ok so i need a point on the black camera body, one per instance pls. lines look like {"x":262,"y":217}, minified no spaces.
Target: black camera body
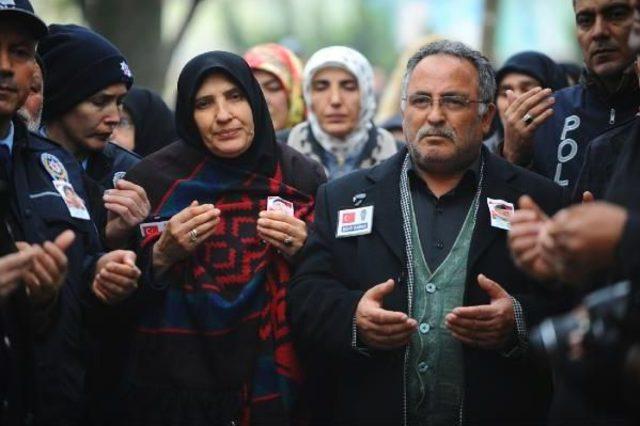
{"x":595,"y":349}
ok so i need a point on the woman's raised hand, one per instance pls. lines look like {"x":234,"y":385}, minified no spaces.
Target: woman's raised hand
{"x":184,"y":232}
{"x":286,"y":233}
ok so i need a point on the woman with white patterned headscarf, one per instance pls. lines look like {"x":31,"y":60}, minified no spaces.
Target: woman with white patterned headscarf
{"x":339,"y":131}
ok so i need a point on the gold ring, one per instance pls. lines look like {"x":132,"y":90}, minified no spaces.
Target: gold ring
{"x":193,"y":235}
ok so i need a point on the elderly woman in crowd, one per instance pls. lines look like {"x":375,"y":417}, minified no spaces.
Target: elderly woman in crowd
{"x":212,"y":343}
{"x":339,"y":132}
{"x":146,"y":123}
{"x":279,"y":72}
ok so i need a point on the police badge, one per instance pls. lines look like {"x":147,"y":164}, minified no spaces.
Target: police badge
{"x":7,"y":4}
{"x":54,"y":167}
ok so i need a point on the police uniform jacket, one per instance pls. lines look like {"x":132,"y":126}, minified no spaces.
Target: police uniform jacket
{"x":113,"y":159}
{"x":39,"y":213}
{"x":580,"y":114}
{"x":16,"y":381}
{"x":103,"y":167}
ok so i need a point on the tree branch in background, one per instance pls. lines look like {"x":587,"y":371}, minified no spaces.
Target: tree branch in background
{"x":136,"y":28}
{"x":171,"y":46}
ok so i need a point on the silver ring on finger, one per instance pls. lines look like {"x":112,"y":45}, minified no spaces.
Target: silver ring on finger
{"x":288,"y":241}
{"x":527,"y":119}
{"x":193,"y":236}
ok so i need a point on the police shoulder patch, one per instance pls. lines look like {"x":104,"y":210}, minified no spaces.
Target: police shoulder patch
{"x":54,"y":167}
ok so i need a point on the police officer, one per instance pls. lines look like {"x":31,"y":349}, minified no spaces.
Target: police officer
{"x":85,"y":80}
{"x":551,"y":132}
{"x":39,"y":175}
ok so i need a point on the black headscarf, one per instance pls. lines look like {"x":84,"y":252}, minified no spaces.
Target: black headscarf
{"x":153,"y":120}
{"x":261,"y":156}
{"x":536,"y":65}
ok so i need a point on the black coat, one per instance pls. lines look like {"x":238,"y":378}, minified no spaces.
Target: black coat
{"x":622,"y":189}
{"x":601,"y":157}
{"x":37,"y":213}
{"x":350,"y":388}
{"x":16,"y":379}
{"x":610,"y":173}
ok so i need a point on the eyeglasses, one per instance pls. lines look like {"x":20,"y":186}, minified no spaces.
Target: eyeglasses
{"x":450,"y":103}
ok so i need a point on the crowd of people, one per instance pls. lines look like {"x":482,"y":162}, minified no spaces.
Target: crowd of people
{"x":277,"y":250}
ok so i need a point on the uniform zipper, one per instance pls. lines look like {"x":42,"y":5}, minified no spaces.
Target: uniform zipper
{"x":612,"y":116}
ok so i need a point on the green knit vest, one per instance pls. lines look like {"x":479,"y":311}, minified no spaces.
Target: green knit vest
{"x":435,"y":370}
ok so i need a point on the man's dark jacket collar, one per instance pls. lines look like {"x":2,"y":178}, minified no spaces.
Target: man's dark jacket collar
{"x":627,"y":87}
{"x":385,"y":194}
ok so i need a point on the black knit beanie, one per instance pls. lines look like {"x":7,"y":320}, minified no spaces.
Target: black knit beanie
{"x":78,"y":63}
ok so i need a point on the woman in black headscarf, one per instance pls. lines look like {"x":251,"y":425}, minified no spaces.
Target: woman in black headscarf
{"x":146,"y":123}
{"x":212,"y":344}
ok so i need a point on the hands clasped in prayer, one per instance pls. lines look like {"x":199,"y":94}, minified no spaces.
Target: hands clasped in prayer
{"x":43,"y":266}
{"x":575,"y":242}
{"x":116,"y":276}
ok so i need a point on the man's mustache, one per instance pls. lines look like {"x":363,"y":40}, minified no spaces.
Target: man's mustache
{"x":444,"y":132}
{"x":605,"y":45}
{"x":8,"y":83}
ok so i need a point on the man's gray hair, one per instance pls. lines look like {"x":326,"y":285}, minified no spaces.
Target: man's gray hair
{"x":486,"y":74}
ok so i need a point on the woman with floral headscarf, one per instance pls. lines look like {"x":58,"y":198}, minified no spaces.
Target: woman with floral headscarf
{"x":339,"y":131}
{"x":279,"y":72}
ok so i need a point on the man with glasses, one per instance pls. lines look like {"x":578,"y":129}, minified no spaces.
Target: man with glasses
{"x":406,"y":299}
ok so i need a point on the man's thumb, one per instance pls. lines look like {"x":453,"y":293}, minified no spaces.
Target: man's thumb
{"x":65,"y":239}
{"x":526,"y":203}
{"x":587,"y":197}
{"x":125,"y":257}
{"x":379,"y":291}
{"x":129,"y":258}
{"x":492,"y":288}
